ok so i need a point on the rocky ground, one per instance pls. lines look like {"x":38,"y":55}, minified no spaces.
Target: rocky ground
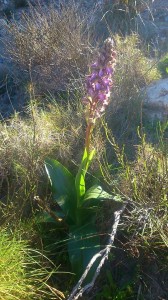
{"x":155,"y":17}
{"x":157,"y":92}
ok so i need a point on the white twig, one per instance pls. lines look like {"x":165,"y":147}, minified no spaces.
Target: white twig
{"x":78,"y":290}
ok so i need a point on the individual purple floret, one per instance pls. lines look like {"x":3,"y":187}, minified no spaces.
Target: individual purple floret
{"x":99,"y":82}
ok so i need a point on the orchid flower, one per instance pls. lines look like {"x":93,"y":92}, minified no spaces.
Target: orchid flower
{"x":98,"y":86}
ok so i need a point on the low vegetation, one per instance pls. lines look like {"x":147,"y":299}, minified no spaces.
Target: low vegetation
{"x":163,"y":66}
{"x":24,"y":272}
{"x":51,"y":50}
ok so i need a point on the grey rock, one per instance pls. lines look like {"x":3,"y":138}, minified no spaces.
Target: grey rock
{"x":156,"y":103}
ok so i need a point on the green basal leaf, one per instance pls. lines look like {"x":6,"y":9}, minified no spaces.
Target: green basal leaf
{"x":96,"y":195}
{"x":83,"y":244}
{"x":96,"y":192}
{"x":85,"y":215}
{"x":63,"y":188}
{"x":80,"y":177}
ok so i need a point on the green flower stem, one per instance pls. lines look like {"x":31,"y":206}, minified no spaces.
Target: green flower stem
{"x":88,"y":137}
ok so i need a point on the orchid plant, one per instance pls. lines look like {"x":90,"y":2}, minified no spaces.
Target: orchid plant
{"x":78,"y":205}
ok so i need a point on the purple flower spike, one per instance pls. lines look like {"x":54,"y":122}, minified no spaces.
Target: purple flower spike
{"x":99,"y":82}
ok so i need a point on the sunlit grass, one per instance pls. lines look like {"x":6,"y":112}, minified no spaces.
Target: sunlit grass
{"x":23,"y":275}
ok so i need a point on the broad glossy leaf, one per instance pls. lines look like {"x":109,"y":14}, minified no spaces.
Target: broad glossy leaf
{"x":63,"y":188}
{"x":96,"y":192}
{"x":95,"y":195}
{"x":80,"y":177}
{"x":83,"y":244}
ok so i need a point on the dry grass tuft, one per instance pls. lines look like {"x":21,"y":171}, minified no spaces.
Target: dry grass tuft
{"x":143,"y":182}
{"x":25,"y":142}
{"x":133,"y":72}
{"x":120,"y":16}
{"x":143,"y":233}
{"x":134,"y":69}
{"x":57,"y":132}
{"x":146,"y":184}
{"x":50,"y":46}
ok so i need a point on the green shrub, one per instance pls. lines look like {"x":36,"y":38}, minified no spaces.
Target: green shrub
{"x":163,"y":66}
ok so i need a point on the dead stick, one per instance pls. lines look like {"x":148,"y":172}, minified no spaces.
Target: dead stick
{"x":78,"y":290}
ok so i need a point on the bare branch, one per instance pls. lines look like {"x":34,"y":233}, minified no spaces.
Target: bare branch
{"x":78,"y":289}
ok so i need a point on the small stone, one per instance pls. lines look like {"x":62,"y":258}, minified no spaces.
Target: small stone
{"x":157,"y":99}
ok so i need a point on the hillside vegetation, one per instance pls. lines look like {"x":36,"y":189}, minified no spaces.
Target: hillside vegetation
{"x":83,"y":168}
